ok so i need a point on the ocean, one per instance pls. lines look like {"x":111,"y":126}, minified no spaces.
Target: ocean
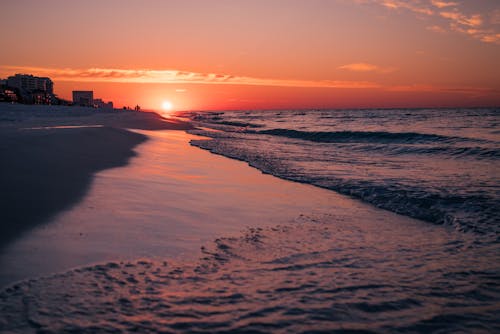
{"x":437,"y":165}
{"x":427,"y":260}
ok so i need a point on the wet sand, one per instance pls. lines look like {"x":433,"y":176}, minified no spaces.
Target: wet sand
{"x":171,"y":199}
{"x":322,"y":274}
{"x":48,"y":156}
{"x":180,"y":240}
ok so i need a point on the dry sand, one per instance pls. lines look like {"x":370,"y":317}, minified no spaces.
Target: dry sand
{"x":45,"y":169}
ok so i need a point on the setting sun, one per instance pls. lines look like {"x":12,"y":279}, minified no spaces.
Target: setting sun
{"x":167,"y":105}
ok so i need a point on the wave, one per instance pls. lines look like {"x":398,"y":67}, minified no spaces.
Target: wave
{"x":432,"y":165}
{"x":428,"y":142}
{"x":239,"y":124}
{"x":476,"y":152}
{"x":361,"y":136}
{"x":466,"y":211}
{"x":459,"y":211}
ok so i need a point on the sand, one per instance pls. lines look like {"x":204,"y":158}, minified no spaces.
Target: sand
{"x":18,"y":116}
{"x":45,"y":169}
{"x":176,"y":239}
{"x":168,"y":201}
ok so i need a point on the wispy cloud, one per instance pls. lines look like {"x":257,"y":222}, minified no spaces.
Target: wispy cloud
{"x":436,"y":28}
{"x":414,"y":6}
{"x":463,"y":20}
{"x":177,"y":77}
{"x":464,"y":90}
{"x":490,"y":38}
{"x":365,"y":67}
{"x":443,"y":4}
{"x":472,"y":26}
{"x":481,"y":26}
{"x":185,"y":77}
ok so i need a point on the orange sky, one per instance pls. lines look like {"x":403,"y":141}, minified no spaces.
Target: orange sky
{"x":233,"y":54}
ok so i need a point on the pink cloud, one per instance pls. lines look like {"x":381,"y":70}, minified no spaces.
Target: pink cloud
{"x":436,"y":28}
{"x":443,"y":4}
{"x":414,"y":6}
{"x":459,"y":18}
{"x":480,"y":26}
{"x":467,"y":90}
{"x":365,"y":67}
{"x":177,"y":77}
{"x":490,"y":38}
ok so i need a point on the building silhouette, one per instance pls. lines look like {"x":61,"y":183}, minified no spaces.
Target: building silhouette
{"x":30,"y":83}
{"x":32,"y":89}
{"x":84,"y":98}
{"x":100,"y":104}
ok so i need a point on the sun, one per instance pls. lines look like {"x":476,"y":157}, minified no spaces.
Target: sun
{"x":167,"y":105}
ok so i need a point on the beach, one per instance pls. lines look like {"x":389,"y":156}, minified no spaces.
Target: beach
{"x":50,"y":153}
{"x":134,"y":229}
{"x":250,"y":167}
{"x":168,"y":202}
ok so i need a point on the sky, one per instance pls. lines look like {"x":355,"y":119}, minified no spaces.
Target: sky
{"x":260,"y":54}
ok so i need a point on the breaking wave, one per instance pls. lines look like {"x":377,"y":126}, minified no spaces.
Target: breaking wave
{"x":358,"y":136}
{"x":436,"y":165}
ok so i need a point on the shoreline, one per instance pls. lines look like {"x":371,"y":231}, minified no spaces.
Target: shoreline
{"x":44,"y":172}
{"x":274,"y":254}
{"x":168,"y":201}
{"x":180,"y":239}
{"x":49,"y":155}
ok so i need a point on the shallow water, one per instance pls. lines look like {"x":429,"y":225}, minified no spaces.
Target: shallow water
{"x":438,"y":165}
{"x":320,"y":273}
{"x":309,"y":260}
{"x":166,"y":203}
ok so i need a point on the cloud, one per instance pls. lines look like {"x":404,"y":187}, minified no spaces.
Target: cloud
{"x":472,"y":26}
{"x":177,"y":77}
{"x":443,"y":4}
{"x":436,"y":28}
{"x":422,"y":88}
{"x":491,"y":38}
{"x":480,"y":26}
{"x":365,"y":67}
{"x":184,"y":77}
{"x":359,"y":67}
{"x":414,"y":6}
{"x":461,"y":19}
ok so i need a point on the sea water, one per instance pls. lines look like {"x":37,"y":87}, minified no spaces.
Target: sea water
{"x":350,"y":268}
{"x":437,"y":165}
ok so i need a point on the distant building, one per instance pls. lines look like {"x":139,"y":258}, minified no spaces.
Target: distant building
{"x":100,"y":104}
{"x":27,"y":84}
{"x":83,"y":98}
{"x":29,"y":89}
{"x":8,"y":95}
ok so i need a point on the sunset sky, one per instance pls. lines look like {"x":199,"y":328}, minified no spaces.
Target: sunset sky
{"x":235,"y":54}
